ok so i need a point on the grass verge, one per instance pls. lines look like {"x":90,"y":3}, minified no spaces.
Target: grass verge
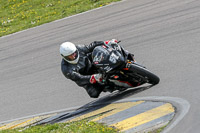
{"x":73,"y":127}
{"x":159,"y":130}
{"x":17,"y":15}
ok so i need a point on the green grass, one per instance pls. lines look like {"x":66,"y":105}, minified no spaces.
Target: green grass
{"x":159,"y":130}
{"x":17,"y":15}
{"x":74,"y":127}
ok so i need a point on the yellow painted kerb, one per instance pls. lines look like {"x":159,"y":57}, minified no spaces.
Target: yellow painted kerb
{"x":144,"y":117}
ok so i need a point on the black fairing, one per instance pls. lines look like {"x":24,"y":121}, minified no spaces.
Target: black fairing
{"x":108,"y":57}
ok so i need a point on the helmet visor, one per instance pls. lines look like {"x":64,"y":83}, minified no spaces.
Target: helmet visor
{"x":72,"y":56}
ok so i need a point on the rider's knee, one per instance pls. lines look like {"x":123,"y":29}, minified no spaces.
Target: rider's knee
{"x":93,"y":92}
{"x":94,"y":95}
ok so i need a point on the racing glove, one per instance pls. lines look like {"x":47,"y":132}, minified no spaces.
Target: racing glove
{"x":113,"y":41}
{"x":96,"y":78}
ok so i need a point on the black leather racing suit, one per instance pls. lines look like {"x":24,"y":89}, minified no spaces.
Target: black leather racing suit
{"x":82,"y":71}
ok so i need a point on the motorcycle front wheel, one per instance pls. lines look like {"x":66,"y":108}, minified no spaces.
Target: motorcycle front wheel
{"x":145,"y":74}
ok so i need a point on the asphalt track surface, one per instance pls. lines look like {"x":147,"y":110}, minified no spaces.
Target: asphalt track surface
{"x":163,"y":35}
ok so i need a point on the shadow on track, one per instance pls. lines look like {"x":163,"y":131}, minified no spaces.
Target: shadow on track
{"x":94,"y":105}
{"x":115,"y":96}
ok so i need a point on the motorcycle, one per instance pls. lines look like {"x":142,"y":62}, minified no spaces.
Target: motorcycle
{"x":119,"y":69}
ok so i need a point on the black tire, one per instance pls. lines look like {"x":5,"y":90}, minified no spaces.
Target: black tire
{"x":149,"y":76}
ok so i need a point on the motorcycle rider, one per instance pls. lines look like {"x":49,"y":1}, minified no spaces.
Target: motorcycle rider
{"x":77,"y":65}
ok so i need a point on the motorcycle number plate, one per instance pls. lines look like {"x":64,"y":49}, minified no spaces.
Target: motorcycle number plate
{"x":113,"y":58}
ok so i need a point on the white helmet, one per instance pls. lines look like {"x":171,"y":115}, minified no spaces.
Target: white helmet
{"x":69,"y":52}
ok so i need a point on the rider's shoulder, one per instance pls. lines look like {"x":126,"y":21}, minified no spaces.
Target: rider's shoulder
{"x":79,"y":46}
{"x":82,"y":48}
